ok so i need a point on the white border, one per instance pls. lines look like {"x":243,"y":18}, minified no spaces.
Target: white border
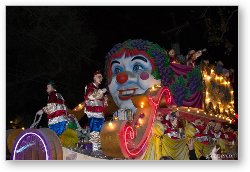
{"x":242,"y":165}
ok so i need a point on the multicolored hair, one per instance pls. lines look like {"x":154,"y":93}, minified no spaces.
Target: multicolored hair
{"x":158,"y":57}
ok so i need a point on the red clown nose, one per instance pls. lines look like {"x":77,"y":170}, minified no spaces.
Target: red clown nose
{"x":121,"y":77}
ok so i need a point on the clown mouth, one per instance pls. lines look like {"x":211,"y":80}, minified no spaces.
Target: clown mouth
{"x":126,"y":94}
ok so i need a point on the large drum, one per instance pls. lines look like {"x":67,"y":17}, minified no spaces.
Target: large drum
{"x":37,"y":144}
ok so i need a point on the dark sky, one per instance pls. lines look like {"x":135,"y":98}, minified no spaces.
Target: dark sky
{"x":67,"y":44}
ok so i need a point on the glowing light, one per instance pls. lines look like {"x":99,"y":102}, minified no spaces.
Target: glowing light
{"x":31,"y":133}
{"x":74,"y":109}
{"x":131,"y":135}
{"x":232,"y":102}
{"x":80,"y":105}
{"x":129,"y":131}
{"x":198,"y":111}
{"x":231,"y":92}
{"x":219,"y":116}
{"x":221,"y":109}
{"x":11,"y":122}
{"x":142,"y":104}
{"x":221,"y":78}
{"x":211,"y":114}
{"x":208,"y":78}
{"x":205,"y":113}
{"x":207,"y":99}
{"x":212,"y":71}
{"x":188,"y":110}
{"x":205,"y":76}
{"x":216,"y":78}
{"x":153,"y":88}
{"x":177,"y":108}
{"x":219,"y":103}
{"x":140,"y":121}
{"x":111,"y":125}
{"x":206,"y":92}
{"x":23,"y":128}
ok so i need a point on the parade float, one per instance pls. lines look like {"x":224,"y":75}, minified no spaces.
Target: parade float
{"x":155,"y":105}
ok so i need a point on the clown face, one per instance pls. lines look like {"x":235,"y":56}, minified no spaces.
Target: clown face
{"x":131,"y":75}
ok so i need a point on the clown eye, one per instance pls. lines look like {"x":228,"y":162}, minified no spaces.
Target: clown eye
{"x":137,"y":67}
{"x":117,"y":70}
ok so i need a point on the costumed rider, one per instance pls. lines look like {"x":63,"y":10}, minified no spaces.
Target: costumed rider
{"x":95,"y":100}
{"x":173,"y":127}
{"x":200,"y":133}
{"x":56,"y":110}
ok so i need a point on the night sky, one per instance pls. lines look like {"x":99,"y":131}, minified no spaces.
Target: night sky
{"x":67,"y":44}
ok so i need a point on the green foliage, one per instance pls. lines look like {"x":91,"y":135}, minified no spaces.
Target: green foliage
{"x":166,"y":61}
{"x":156,"y":74}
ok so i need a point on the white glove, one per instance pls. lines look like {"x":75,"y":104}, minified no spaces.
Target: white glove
{"x":40,"y":112}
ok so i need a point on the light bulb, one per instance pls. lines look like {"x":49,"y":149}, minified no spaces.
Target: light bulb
{"x":142,"y":104}
{"x":111,"y":124}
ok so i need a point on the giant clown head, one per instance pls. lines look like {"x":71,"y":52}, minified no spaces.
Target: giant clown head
{"x":132,"y":67}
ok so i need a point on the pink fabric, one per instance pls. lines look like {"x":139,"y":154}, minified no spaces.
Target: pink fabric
{"x":180,"y":69}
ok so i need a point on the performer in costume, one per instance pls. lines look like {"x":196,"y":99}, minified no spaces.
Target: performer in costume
{"x":200,"y":133}
{"x":230,"y":136}
{"x":94,"y":100}
{"x":172,"y":55}
{"x":216,"y":132}
{"x":173,"y":126}
{"x":56,"y":110}
{"x":192,"y":56}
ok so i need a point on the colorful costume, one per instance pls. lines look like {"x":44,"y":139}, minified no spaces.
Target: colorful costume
{"x":174,"y":132}
{"x":215,"y":134}
{"x":94,"y":107}
{"x":57,"y":112}
{"x":230,"y":137}
{"x":199,"y":134}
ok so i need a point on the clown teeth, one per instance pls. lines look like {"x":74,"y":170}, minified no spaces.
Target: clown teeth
{"x":126,"y":94}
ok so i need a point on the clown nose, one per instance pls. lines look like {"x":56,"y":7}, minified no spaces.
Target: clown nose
{"x":121,"y":77}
